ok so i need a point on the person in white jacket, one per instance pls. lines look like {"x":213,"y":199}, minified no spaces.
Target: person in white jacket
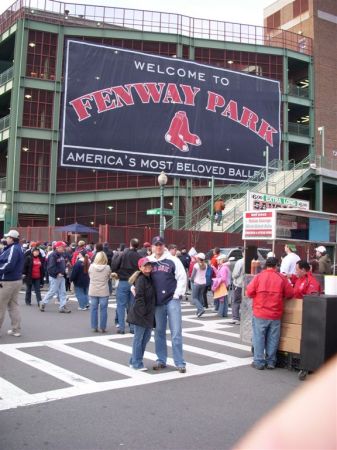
{"x":99,"y":274}
{"x":169,"y":280}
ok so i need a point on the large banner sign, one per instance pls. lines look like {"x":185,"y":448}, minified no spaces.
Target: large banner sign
{"x":132,"y":112}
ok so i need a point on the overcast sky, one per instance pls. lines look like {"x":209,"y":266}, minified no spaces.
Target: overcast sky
{"x":240,"y":11}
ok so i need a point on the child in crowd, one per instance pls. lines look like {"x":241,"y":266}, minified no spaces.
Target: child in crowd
{"x":141,"y":313}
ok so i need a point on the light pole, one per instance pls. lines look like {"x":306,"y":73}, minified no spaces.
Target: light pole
{"x":321,"y":131}
{"x":162,"y":180}
{"x":266,"y":154}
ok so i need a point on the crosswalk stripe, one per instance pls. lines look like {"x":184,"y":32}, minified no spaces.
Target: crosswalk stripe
{"x":9,"y":390}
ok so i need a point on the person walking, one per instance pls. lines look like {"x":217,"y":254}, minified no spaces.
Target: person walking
{"x":268,"y":290}
{"x":169,"y":280}
{"x":80,"y":277}
{"x":141,"y":314}
{"x":33,"y":271}
{"x":125,"y":265}
{"x":56,"y":269}
{"x":99,"y":274}
{"x":220,"y":286}
{"x":11,"y":265}
{"x":237,"y":277}
{"x":198,"y":278}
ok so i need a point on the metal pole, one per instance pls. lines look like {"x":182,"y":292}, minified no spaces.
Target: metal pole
{"x":161,"y":220}
{"x":323,"y":143}
{"x":267,"y":168}
{"x":212,"y":203}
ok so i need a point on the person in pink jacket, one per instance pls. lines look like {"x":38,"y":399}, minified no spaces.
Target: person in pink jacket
{"x":220,"y":285}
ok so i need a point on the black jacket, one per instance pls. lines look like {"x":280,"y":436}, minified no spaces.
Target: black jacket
{"x":185,"y":259}
{"x":142,"y":311}
{"x":125,"y":264}
{"x":28,"y":267}
{"x":56,"y":264}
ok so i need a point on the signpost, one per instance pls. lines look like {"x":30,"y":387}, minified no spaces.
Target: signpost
{"x":156,"y":212}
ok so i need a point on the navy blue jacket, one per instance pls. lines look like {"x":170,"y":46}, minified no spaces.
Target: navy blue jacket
{"x":56,"y":264}
{"x":11,"y":263}
{"x":78,"y":277}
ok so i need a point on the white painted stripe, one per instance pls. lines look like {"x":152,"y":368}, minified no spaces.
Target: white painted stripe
{"x":51,"y":369}
{"x":9,"y":390}
{"x":216,"y":341}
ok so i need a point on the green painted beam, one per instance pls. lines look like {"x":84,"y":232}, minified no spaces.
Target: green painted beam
{"x":298,"y":139}
{"x":297,"y":100}
{"x":38,"y":133}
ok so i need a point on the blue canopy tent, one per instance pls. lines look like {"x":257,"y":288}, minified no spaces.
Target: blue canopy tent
{"x":77,"y":228}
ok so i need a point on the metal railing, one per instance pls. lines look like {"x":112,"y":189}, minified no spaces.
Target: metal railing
{"x":299,"y":129}
{"x":297,"y":91}
{"x":152,"y":21}
{"x":6,"y":75}
{"x":4,"y":122}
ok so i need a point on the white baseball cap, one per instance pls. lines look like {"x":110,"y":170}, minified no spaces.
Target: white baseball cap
{"x":321,"y":249}
{"x":270,"y":255}
{"x":201,"y":256}
{"x":13,"y":234}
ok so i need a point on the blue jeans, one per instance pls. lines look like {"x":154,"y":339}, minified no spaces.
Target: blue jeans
{"x":82,"y":296}
{"x":266,"y":337}
{"x":198,"y":296}
{"x":102,"y":302}
{"x":216,"y":304}
{"x":36,"y":285}
{"x":223,"y":306}
{"x":124,"y":300}
{"x":140,"y":339}
{"x":57,"y":287}
{"x":172,"y":312}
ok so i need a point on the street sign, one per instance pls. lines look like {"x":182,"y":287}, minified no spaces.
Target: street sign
{"x":257,"y":201}
{"x":156,"y":211}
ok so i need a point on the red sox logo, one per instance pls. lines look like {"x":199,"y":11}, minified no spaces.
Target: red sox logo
{"x":179,"y":133}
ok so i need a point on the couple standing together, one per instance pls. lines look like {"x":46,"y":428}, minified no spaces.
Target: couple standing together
{"x":164,"y":276}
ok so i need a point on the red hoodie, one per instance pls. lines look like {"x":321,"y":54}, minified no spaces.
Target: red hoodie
{"x":306,"y":285}
{"x":268,"y":289}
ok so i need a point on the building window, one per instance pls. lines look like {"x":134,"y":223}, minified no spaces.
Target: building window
{"x":34,"y":166}
{"x":41,"y":55}
{"x":274,"y":21}
{"x":300,"y":7}
{"x":38,"y":108}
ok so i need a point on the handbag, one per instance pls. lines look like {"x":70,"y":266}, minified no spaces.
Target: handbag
{"x":221,"y":291}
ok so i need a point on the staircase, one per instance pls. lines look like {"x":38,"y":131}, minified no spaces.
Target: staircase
{"x":278,"y":182}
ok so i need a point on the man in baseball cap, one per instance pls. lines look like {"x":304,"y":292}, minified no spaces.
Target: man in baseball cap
{"x":11,"y":265}
{"x":158,"y":240}
{"x":324,"y":260}
{"x":56,"y":270}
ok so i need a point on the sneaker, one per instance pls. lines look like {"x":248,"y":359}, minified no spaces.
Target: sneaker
{"x":42,"y":307}
{"x":200,"y":313}
{"x":159,"y":366}
{"x":255,"y":366}
{"x":140,"y":369}
{"x":270,"y":367}
{"x":94,"y":330}
{"x":87,"y":307}
{"x":181,"y":369}
{"x":14,"y":333}
{"x":117,"y":325}
{"x":64,"y":310}
{"x":103,"y":330}
{"x":119,"y":331}
{"x":81,"y":309}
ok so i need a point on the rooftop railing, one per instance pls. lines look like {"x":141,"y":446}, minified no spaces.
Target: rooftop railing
{"x":53,"y":11}
{"x":4,"y":122}
{"x":6,"y":75}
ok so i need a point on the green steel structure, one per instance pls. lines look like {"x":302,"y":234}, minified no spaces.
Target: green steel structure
{"x":35,"y":191}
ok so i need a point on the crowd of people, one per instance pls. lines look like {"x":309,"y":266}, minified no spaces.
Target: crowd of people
{"x":150,"y":284}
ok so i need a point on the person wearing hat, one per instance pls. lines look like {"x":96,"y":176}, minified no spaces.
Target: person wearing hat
{"x":141,"y":313}
{"x":80,"y":277}
{"x":56,"y":269}
{"x":324,"y":261}
{"x":198,"y":279}
{"x":268,"y":289}
{"x":145,"y":250}
{"x":11,"y":265}
{"x":169,"y":280}
{"x":288,"y":265}
{"x":33,"y":271}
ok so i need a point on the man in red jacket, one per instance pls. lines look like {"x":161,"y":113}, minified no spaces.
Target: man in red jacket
{"x":268,"y":289}
{"x":304,"y":281}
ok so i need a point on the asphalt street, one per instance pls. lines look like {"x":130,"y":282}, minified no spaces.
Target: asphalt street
{"x":63,"y":387}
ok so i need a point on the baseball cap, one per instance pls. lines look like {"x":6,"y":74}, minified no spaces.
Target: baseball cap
{"x":292,"y":247}
{"x":201,"y":256}
{"x":143,"y":261}
{"x":221,"y":257}
{"x":270,"y":255}
{"x":13,"y":234}
{"x":158,"y":240}
{"x":81,"y":243}
{"x":59,"y":244}
{"x":146,"y":244}
{"x":321,"y":249}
